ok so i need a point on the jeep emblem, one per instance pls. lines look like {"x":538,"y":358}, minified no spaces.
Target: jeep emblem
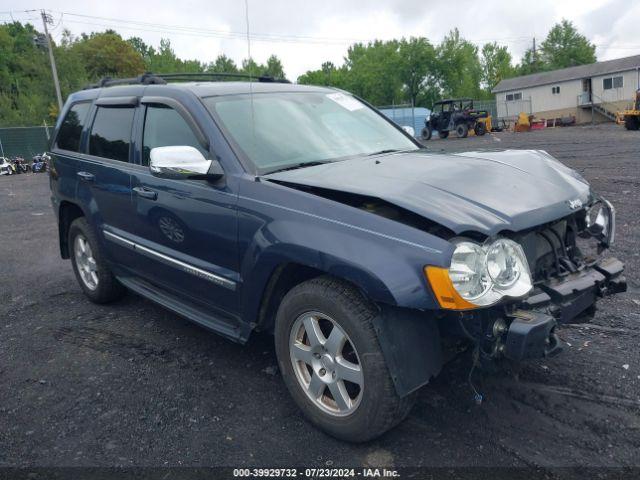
{"x":574,"y":204}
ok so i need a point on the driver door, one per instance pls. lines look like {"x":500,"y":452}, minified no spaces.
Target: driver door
{"x":187,"y":228}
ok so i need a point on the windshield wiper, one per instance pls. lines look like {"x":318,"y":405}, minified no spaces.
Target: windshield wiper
{"x":382,"y":152}
{"x":299,"y":165}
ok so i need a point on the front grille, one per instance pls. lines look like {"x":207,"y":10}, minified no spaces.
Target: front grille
{"x":557,"y":249}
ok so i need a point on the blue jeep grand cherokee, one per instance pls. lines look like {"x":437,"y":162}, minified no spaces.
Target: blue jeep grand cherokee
{"x":303,"y":211}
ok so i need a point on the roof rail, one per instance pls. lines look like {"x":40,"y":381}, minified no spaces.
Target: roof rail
{"x":149,"y":78}
{"x":216,"y":75}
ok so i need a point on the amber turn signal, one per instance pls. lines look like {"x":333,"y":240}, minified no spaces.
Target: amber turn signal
{"x":447,"y":296}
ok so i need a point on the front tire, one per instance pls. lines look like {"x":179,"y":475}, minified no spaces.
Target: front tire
{"x":332,"y":363}
{"x":89,"y":264}
{"x":426,"y":133}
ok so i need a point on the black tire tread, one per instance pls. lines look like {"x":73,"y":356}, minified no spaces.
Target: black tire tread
{"x":394,"y":408}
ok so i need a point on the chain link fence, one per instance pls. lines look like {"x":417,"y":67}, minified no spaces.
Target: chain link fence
{"x":24,"y":141}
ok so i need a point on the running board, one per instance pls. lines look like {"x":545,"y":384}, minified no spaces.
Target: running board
{"x":217,"y":324}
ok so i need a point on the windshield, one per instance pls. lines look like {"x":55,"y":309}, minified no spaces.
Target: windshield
{"x":280,"y":130}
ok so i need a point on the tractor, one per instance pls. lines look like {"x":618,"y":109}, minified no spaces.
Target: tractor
{"x":631,"y":117}
{"x":458,"y":115}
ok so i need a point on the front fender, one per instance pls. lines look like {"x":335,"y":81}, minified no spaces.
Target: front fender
{"x":386,"y":269}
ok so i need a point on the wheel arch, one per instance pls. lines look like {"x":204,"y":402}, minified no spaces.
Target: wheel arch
{"x":67,"y":213}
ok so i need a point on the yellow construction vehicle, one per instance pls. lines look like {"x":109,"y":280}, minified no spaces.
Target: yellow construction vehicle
{"x":631,"y":118}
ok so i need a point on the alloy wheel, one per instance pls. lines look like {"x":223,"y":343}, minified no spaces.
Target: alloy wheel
{"x":85,"y":262}
{"x":326,"y":364}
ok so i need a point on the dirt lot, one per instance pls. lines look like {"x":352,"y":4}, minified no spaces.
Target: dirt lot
{"x":132,"y":384}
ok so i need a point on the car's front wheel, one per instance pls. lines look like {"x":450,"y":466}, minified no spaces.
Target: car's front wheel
{"x":331,"y":361}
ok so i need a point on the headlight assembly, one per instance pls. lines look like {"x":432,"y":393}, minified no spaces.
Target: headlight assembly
{"x":600,"y":221}
{"x":481,"y":275}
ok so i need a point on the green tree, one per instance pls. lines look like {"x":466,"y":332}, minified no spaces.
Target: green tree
{"x":459,"y":68}
{"x":496,"y":65}
{"x":26,"y":85}
{"x":416,"y":66}
{"x":328,"y":75}
{"x":250,"y":67}
{"x":373,"y":72}
{"x":274,"y":67}
{"x":566,"y":47}
{"x":222,"y":64}
{"x":531,"y":63}
{"x":107,"y":54}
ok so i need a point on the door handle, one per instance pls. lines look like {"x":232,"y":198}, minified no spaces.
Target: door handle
{"x":86,"y":176}
{"x":145,"y":193}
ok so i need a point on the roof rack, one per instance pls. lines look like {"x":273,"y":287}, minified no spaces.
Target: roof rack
{"x":149,"y":78}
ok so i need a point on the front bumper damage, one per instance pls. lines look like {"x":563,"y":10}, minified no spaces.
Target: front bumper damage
{"x":526,"y":329}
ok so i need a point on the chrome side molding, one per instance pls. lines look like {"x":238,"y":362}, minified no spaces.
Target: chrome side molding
{"x":174,"y":262}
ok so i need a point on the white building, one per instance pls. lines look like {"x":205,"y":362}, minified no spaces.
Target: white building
{"x":599,"y":90}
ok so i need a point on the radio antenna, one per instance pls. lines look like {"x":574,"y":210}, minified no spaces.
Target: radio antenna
{"x":246,"y":12}
{"x":249,"y":64}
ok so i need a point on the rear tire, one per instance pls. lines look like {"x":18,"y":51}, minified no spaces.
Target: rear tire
{"x":632,"y":123}
{"x":462,"y":130}
{"x":325,"y":305}
{"x":89,"y":264}
{"x":480,"y":129}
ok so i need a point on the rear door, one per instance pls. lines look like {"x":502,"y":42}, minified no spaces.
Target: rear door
{"x":104,"y":173}
{"x":188,"y":228}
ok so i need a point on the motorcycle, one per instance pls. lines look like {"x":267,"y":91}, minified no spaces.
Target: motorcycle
{"x":19,"y":165}
{"x":40,"y":163}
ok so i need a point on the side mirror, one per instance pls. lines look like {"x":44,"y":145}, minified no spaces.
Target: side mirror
{"x":409,"y":130}
{"x":182,"y":162}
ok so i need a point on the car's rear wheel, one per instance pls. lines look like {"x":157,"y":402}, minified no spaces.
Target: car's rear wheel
{"x":331,"y":361}
{"x":89,"y":264}
{"x":462,"y":130}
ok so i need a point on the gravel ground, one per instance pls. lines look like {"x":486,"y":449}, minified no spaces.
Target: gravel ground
{"x":132,"y":384}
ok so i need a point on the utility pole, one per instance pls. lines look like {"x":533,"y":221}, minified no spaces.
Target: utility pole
{"x":46,"y":18}
{"x":534,"y":55}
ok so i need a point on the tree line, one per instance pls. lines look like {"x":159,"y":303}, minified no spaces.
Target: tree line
{"x":412,"y":70}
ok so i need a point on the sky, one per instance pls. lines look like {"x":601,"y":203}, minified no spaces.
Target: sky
{"x":306,"y":34}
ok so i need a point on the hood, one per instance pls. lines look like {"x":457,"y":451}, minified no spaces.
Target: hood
{"x":484,"y":191}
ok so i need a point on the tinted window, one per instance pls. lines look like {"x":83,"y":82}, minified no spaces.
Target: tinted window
{"x":71,"y":127}
{"x":111,"y":133}
{"x":607,"y":83}
{"x":164,"y":127}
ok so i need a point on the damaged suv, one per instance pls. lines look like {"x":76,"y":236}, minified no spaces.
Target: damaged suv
{"x":304,"y":212}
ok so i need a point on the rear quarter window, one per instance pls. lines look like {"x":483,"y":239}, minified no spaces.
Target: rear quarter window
{"x":72,"y":126}
{"x":111,"y":133}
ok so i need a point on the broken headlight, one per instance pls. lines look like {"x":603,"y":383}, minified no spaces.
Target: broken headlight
{"x":600,"y":221}
{"x":481,"y":275}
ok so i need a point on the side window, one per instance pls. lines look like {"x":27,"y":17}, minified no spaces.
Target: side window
{"x":618,"y":82}
{"x":164,"y":127}
{"x":71,"y":127}
{"x":111,"y":133}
